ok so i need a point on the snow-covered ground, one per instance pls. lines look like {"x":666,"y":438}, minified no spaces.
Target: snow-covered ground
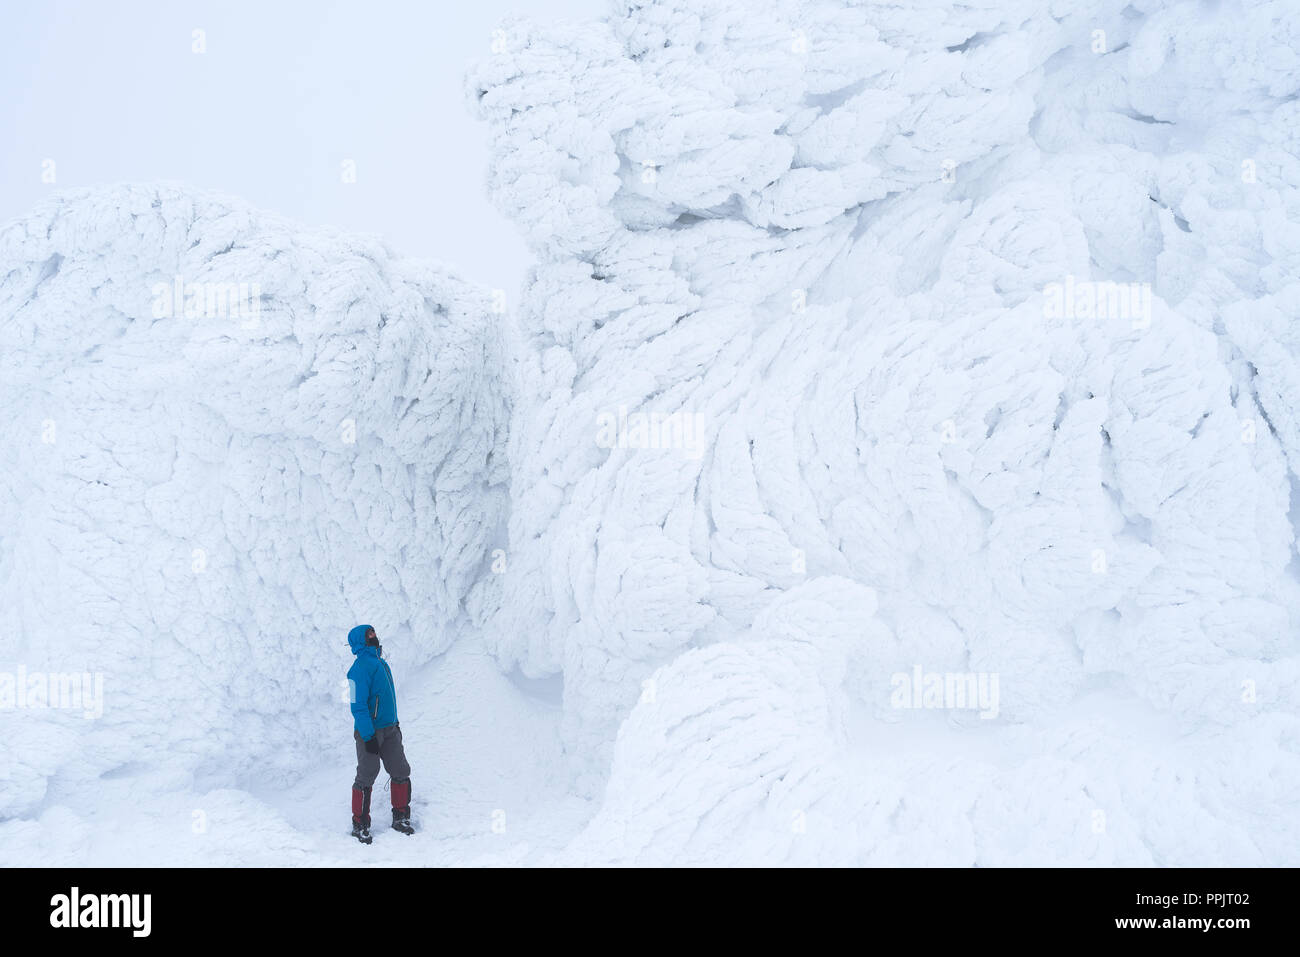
{"x":869,"y":346}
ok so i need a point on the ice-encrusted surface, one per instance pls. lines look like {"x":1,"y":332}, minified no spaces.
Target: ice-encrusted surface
{"x":831,"y":232}
{"x":193,"y":505}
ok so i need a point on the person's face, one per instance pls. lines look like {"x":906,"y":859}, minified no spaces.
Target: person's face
{"x":371,"y":637}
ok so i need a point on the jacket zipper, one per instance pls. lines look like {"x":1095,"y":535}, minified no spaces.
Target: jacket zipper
{"x":374,"y":711}
{"x":391,"y":687}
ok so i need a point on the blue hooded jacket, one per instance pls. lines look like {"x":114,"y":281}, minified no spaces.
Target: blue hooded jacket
{"x":374,"y":696}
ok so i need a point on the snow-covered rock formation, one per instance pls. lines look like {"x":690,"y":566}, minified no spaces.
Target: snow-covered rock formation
{"x":226,"y":437}
{"x":951,"y":337}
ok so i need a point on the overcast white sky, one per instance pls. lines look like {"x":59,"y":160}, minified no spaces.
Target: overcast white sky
{"x":286,"y":91}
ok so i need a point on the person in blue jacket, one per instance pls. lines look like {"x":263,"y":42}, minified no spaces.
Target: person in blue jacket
{"x":377,"y":732}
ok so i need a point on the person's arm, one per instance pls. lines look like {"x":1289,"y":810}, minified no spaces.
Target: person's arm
{"x":359,"y":682}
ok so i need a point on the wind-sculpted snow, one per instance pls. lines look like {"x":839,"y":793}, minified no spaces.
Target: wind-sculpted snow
{"x":227,"y":438}
{"x":987,"y":312}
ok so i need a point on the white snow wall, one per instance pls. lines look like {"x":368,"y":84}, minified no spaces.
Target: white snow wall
{"x":825,"y":230}
{"x":198,"y":507}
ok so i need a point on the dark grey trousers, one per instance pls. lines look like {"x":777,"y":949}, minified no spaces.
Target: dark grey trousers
{"x":390,"y":752}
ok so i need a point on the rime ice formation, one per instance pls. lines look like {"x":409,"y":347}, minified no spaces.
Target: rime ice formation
{"x":839,"y":233}
{"x":193,"y":503}
{"x":867,"y":343}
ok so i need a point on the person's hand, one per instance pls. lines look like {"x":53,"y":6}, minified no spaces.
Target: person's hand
{"x":372,"y":746}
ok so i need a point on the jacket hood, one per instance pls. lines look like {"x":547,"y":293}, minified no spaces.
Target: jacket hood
{"x":357,"y":638}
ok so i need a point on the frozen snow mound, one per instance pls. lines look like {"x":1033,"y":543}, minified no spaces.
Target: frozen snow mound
{"x":228,"y":438}
{"x":989,"y":310}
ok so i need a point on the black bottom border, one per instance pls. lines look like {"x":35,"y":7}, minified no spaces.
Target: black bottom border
{"x":926,"y":906}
